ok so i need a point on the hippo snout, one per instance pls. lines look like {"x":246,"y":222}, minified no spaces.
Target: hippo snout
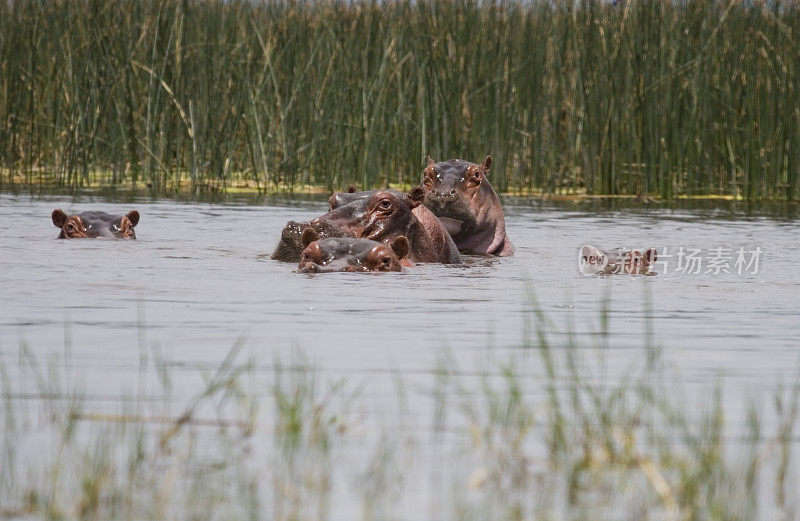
{"x":448,"y":202}
{"x":291,"y":230}
{"x":441,"y":198}
{"x":445,"y":195}
{"x":309,"y":267}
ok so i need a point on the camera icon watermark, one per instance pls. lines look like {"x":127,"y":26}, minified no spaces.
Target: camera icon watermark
{"x":593,"y":260}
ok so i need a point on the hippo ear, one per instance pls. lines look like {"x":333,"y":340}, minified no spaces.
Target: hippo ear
{"x":487,"y":164}
{"x":651,"y":255}
{"x":59,"y":218}
{"x":133,"y":217}
{"x":309,"y":236}
{"x":429,"y":175}
{"x":400,"y":246}
{"x":431,"y":162}
{"x":352,"y":189}
{"x":416,"y":196}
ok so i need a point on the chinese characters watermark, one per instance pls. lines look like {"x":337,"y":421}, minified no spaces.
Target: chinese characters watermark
{"x":711,"y":261}
{"x":688,"y":261}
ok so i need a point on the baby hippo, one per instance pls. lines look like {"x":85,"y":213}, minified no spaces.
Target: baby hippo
{"x":593,"y":261}
{"x":95,"y":225}
{"x":350,"y":254}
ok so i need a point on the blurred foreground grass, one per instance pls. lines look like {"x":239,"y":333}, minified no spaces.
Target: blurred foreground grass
{"x":290,"y":443}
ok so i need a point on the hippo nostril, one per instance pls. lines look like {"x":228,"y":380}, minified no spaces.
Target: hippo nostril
{"x":452,"y":192}
{"x":309,"y":267}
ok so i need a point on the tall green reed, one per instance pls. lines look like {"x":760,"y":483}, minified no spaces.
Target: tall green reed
{"x":667,"y":98}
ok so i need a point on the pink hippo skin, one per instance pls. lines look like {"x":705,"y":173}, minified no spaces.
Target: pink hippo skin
{"x":460,"y":195}
{"x":593,"y":261}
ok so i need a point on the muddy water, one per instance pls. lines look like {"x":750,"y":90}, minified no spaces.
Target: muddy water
{"x":197,"y":281}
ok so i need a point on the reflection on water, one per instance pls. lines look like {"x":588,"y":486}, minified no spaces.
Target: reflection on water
{"x":198,"y":280}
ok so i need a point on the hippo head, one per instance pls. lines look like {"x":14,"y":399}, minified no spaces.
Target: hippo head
{"x":94,"y":225}
{"x":379,"y":215}
{"x":350,"y":254}
{"x":454,"y":190}
{"x":290,"y":246}
{"x":338,"y":199}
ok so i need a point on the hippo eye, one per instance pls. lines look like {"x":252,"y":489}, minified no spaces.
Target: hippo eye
{"x":386,"y":261}
{"x":385,"y":204}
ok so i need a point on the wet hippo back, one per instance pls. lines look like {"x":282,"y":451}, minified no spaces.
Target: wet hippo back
{"x":436,"y":236}
{"x":459,"y":193}
{"x":94,"y":225}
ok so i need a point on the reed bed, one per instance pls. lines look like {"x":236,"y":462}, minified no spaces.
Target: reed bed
{"x":662,"y":98}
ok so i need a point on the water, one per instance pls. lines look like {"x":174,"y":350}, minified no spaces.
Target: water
{"x":197,"y":282}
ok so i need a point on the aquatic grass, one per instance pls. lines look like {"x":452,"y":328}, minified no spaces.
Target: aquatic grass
{"x":577,"y":446}
{"x":306,"y":427}
{"x":661,"y":98}
{"x":544,"y":433}
{"x":163,"y":459}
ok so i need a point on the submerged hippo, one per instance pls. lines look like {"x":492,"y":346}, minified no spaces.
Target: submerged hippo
{"x":382,"y":215}
{"x":593,"y":260}
{"x":350,"y":254}
{"x":95,"y":225}
{"x":290,"y":246}
{"x":459,"y":193}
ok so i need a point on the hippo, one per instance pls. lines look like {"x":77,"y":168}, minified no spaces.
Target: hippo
{"x":592,"y":260}
{"x":382,"y":215}
{"x":290,"y":246}
{"x":350,"y":254}
{"x":459,"y":193}
{"x":96,"y":225}
{"x":432,"y":225}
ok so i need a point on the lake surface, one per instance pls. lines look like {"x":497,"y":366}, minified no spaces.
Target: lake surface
{"x":197,"y":281}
